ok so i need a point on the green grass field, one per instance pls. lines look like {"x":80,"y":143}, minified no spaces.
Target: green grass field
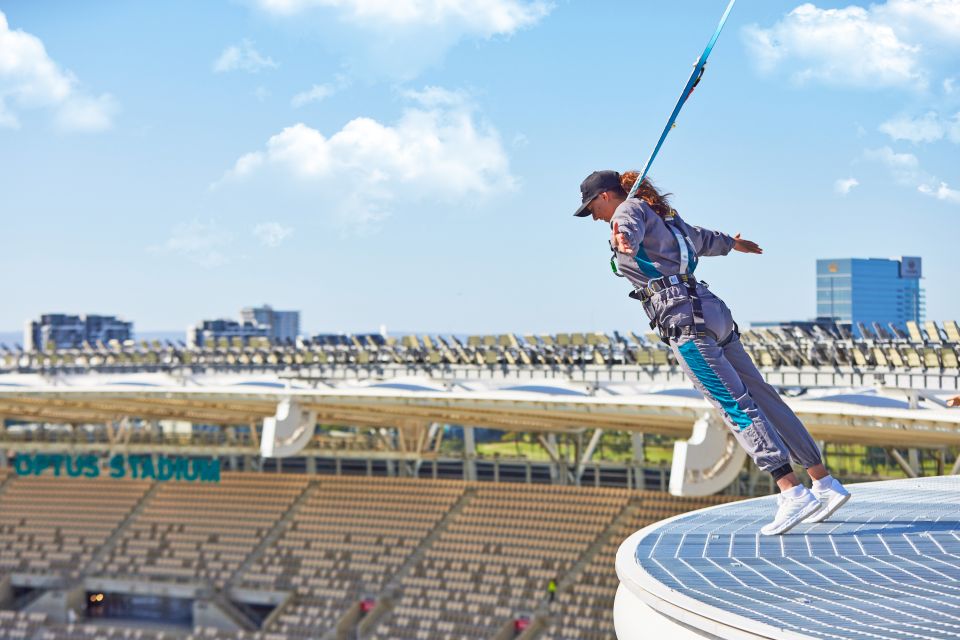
{"x":843,"y":460}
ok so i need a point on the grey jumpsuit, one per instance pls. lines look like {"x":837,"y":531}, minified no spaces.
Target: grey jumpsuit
{"x":717,"y":364}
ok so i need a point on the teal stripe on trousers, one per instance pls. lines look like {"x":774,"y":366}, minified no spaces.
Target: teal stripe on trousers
{"x":713,"y":384}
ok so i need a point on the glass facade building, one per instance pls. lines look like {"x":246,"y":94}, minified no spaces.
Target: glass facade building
{"x":867,"y":290}
{"x":282,"y":326}
{"x":62,"y":331}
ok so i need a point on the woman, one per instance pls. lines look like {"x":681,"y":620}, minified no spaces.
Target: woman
{"x":658,"y":253}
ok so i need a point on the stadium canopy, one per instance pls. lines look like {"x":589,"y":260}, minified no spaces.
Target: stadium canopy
{"x":511,"y":410}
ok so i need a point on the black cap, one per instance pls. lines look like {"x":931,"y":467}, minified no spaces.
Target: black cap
{"x":595,"y":184}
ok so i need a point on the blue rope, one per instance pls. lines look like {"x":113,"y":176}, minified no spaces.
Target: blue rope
{"x":687,"y":90}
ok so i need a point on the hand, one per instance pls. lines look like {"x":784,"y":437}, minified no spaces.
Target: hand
{"x":619,"y":241}
{"x":746,"y":246}
{"x":954,"y":402}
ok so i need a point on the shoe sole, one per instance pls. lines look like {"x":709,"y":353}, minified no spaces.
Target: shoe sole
{"x":790,"y":524}
{"x":827,"y":511}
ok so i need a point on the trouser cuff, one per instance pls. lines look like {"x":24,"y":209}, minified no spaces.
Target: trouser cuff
{"x":779,"y":472}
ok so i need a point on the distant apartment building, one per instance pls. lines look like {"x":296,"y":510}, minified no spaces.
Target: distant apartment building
{"x":255,"y":322}
{"x":62,"y":331}
{"x":868,"y":290}
{"x":282,"y":326}
{"x":208,"y":332}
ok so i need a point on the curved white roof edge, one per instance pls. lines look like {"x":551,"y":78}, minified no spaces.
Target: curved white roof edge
{"x":257,"y":392}
{"x":637,"y":587}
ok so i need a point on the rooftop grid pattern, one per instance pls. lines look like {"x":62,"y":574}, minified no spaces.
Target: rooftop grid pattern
{"x":886,"y":566}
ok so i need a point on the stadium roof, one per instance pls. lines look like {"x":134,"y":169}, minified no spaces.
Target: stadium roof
{"x":414,"y":404}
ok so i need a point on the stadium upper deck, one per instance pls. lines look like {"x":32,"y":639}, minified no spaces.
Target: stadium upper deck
{"x":920,"y":358}
{"x":413,"y":385}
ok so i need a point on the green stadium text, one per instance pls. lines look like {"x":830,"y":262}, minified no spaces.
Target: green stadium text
{"x":160,"y":468}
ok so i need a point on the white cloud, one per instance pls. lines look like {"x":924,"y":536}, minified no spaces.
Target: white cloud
{"x":397,"y":39}
{"x":261,"y":93}
{"x":941,"y":192}
{"x":922,"y":20}
{"x":851,"y":46}
{"x":844,"y":185}
{"x":437,"y":150}
{"x":30,"y":79}
{"x":243,"y":57}
{"x":272,"y":234}
{"x":477,"y":17}
{"x":952,"y":129}
{"x":928,"y":128}
{"x":198,"y":242}
{"x":320,"y":92}
{"x":87,"y":114}
{"x":897,"y":43}
{"x":316,"y":93}
{"x":905,"y":169}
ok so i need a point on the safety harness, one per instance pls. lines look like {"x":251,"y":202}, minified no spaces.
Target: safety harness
{"x":685,"y":278}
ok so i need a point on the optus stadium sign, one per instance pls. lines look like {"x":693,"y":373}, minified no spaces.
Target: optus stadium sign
{"x":137,"y":467}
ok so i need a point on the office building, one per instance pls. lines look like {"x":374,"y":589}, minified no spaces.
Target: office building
{"x":282,"y":326}
{"x":62,"y":331}
{"x":208,"y":332}
{"x":868,"y":290}
{"x":255,"y":322}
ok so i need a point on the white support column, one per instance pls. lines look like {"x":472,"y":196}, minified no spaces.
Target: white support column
{"x":636,"y":442}
{"x":708,"y":462}
{"x":558,"y":471}
{"x":899,"y":459}
{"x":392,"y":438}
{"x":554,"y":452}
{"x":588,"y":452}
{"x":126,"y":430}
{"x":913,"y":455}
{"x":469,"y":455}
{"x":639,"y":460}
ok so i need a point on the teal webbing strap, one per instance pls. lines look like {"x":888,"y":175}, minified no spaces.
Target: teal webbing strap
{"x":687,"y":90}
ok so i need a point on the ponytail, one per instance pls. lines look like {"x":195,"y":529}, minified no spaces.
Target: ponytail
{"x":647,"y":192}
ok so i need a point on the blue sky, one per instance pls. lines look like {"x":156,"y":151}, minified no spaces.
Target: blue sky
{"x":415,"y":164}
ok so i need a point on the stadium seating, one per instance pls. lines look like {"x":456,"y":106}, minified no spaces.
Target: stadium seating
{"x":202,"y":532}
{"x":583,"y":606}
{"x":54,"y":525}
{"x":924,"y":347}
{"x":495,"y":557}
{"x":15,"y":625}
{"x":347,"y":540}
{"x":447,"y":559}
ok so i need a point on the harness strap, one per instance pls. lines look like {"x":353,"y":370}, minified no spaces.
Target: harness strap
{"x":699,"y":328}
{"x":699,"y":324}
{"x":659,"y":284}
{"x":683,"y":243}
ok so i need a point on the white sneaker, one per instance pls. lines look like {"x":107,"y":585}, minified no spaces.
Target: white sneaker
{"x":831,"y":498}
{"x":790,"y":512}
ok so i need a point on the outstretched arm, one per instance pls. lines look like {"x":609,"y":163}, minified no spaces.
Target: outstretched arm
{"x":745,"y":246}
{"x":707,"y":242}
{"x":623,"y":241}
{"x":626,"y":228}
